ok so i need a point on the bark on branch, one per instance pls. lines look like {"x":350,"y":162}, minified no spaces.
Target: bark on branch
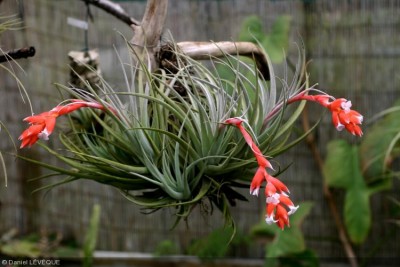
{"x":205,"y":50}
{"x":24,"y":52}
{"x":147,"y":33}
{"x":147,"y":36}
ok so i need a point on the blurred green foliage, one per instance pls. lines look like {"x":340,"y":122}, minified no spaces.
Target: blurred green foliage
{"x":218,"y":244}
{"x":363,"y":170}
{"x":287,"y":247}
{"x":44,"y":245}
{"x":275,"y":42}
{"x":91,"y":237}
{"x":165,"y":248}
{"x":38,"y":245}
{"x":342,"y":170}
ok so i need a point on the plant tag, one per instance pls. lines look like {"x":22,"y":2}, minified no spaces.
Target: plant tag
{"x":78,"y":23}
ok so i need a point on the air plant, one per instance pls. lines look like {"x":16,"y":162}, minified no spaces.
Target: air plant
{"x":168,"y":140}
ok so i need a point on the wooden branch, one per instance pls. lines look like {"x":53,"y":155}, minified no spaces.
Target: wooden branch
{"x":147,"y":36}
{"x":114,"y":9}
{"x":18,"y":53}
{"x":147,"y":33}
{"x":205,"y":50}
{"x":153,"y":21}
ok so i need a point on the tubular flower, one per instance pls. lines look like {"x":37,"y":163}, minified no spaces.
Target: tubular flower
{"x":342,"y":116}
{"x":42,"y":125}
{"x":261,"y":160}
{"x":276,"y":192}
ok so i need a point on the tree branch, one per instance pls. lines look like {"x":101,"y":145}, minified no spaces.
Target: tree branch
{"x":24,"y":52}
{"x":147,"y":33}
{"x":147,"y":36}
{"x":205,"y":50}
{"x":114,"y":9}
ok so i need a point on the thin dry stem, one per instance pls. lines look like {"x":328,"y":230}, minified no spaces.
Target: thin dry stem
{"x":310,"y":140}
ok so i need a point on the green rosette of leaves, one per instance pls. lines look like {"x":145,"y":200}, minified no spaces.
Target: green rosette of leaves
{"x":162,"y":142}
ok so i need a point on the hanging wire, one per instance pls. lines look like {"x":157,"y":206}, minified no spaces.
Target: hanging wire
{"x":88,"y":17}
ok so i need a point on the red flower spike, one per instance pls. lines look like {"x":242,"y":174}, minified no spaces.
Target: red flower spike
{"x":42,"y":125}
{"x":30,"y":135}
{"x":282,"y":216}
{"x":257,"y":181}
{"x":270,"y":189}
{"x":322,"y":99}
{"x":269,"y":214}
{"x":342,"y":116}
{"x":279,"y":206}
{"x":345,"y":118}
{"x":284,"y":199}
{"x":277,"y":200}
{"x":281,"y":187}
{"x":261,"y":160}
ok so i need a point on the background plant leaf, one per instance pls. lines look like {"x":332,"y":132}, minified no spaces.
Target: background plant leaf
{"x":288,"y":242}
{"x":376,"y":143}
{"x":342,"y":170}
{"x":251,"y":29}
{"x":357,"y":214}
{"x":166,"y":247}
{"x":215,"y":245}
{"x":339,"y":164}
{"x":277,"y":41}
{"x":91,"y":237}
{"x":306,"y":258}
{"x":21,"y":248}
{"x":284,"y":243}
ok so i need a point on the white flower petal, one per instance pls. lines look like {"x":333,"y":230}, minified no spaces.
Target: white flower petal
{"x":360,"y":119}
{"x":270,"y":219}
{"x":255,"y":191}
{"x":339,"y":127}
{"x":346,"y":105}
{"x":274,"y":199}
{"x":44,"y":135}
{"x":292,"y":209}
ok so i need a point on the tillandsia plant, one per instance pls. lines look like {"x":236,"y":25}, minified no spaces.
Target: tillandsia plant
{"x":168,"y":140}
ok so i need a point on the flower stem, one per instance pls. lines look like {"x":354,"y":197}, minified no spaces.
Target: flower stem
{"x":298,"y":97}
